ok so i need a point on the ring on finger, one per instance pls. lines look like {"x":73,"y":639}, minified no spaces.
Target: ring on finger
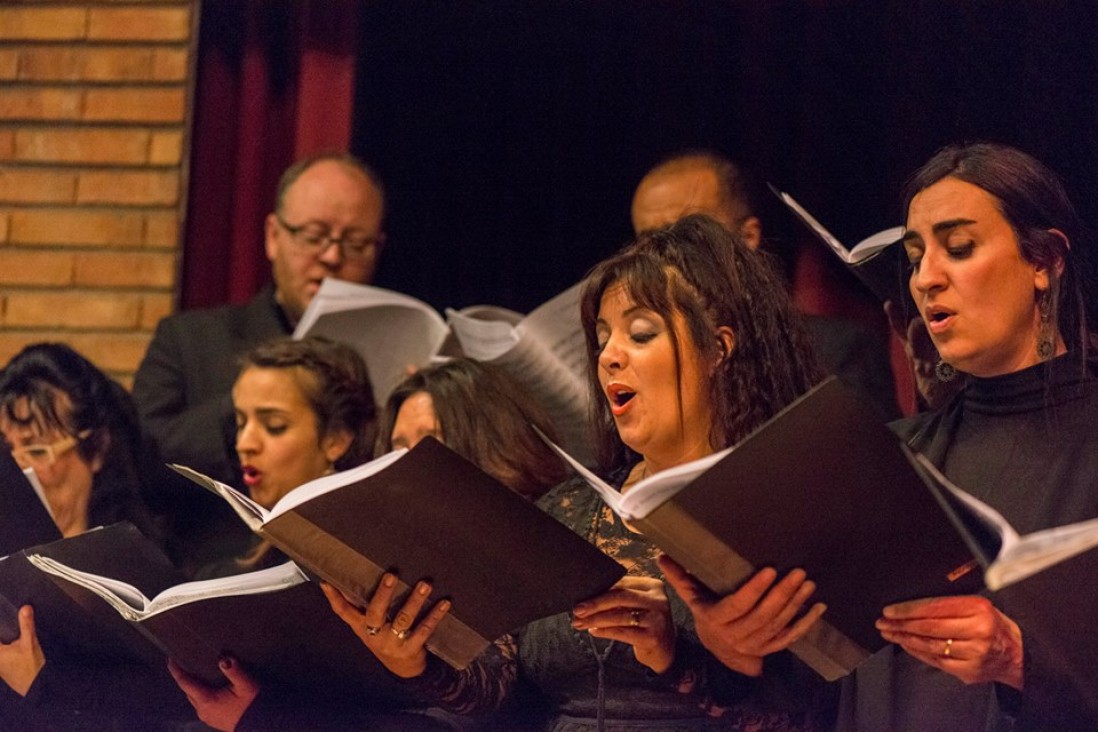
{"x":373,"y":629}
{"x":635,"y":618}
{"x":948,"y":650}
{"x":402,"y":634}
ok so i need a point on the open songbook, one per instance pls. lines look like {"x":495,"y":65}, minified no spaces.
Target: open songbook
{"x":274,"y":621}
{"x":824,"y":486}
{"x":544,"y":351}
{"x":878,"y":260}
{"x":91,"y":595}
{"x":427,"y":513}
{"x":1006,"y":556}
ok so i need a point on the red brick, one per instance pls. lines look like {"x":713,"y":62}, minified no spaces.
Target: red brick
{"x":4,"y":225}
{"x":76,"y":227}
{"x":128,"y":187}
{"x":42,"y":24}
{"x":76,"y":145}
{"x":162,"y":230}
{"x":9,"y":64}
{"x":165,"y":148}
{"x":21,"y":185}
{"x":66,"y":63}
{"x":170,"y":64}
{"x":139,"y":24}
{"x":7,"y":144}
{"x":23,"y":267}
{"x":76,"y":310}
{"x":134,"y":105}
{"x":155,"y":308}
{"x":131,"y":269}
{"x":41,"y":103}
{"x":116,"y":353}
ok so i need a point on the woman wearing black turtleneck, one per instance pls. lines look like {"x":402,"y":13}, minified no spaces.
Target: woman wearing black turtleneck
{"x":994,"y":246}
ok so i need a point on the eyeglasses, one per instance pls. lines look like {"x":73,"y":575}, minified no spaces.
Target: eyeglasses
{"x":43,"y":456}
{"x":316,"y":238}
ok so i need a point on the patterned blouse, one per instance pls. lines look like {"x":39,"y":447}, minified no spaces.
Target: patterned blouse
{"x":586,"y":683}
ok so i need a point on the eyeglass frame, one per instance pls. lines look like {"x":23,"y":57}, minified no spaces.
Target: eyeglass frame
{"x":53,"y":450}
{"x":348,"y":249}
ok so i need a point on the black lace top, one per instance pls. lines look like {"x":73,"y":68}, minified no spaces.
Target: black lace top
{"x":562,"y":665}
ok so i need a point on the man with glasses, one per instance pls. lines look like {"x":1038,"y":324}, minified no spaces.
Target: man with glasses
{"x":327,"y":222}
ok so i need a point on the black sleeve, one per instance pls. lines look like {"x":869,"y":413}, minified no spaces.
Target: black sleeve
{"x":199,"y":434}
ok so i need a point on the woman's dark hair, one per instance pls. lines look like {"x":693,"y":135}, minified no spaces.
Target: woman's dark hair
{"x":40,"y":374}
{"x":1032,"y":199}
{"x":698,"y":270}
{"x":336,"y":384}
{"x":486,"y":418}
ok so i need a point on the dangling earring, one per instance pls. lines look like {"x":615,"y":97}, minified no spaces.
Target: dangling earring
{"x":1045,"y":344}
{"x":944,"y":371}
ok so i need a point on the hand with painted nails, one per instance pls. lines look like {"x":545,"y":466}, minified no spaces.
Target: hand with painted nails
{"x":758,"y":619}
{"x":966,"y":637}
{"x":22,"y":659}
{"x":400,"y":643}
{"x":219,"y":707}
{"x":634,"y":611}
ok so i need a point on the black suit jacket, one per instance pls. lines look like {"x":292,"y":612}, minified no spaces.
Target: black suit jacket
{"x":183,"y":391}
{"x":183,"y":386}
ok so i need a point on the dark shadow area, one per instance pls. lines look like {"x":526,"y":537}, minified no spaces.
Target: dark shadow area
{"x":511,"y":135}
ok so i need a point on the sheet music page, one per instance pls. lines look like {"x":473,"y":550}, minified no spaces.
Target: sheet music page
{"x":481,"y":338}
{"x":390,"y":330}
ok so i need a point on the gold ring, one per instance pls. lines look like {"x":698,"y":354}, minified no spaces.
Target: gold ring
{"x":635,"y":618}
{"x":948,"y":650}
{"x":402,"y":634}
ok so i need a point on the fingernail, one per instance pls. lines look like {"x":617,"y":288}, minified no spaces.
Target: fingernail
{"x":444,"y":606}
{"x":389,"y":580}
{"x":580,"y":610}
{"x":423,"y":588}
{"x":225,"y":663}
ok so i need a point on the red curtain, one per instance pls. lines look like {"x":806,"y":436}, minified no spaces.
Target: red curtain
{"x":275,"y":82}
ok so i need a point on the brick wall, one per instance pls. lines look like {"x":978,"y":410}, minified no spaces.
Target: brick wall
{"x":93,"y":131}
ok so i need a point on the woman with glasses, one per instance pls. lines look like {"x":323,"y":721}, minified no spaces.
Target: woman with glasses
{"x":77,"y":430}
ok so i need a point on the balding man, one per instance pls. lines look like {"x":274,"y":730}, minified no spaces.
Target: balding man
{"x":326,"y":222}
{"x":705,"y":182}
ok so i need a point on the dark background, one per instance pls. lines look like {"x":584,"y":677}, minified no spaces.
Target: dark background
{"x":510,"y":135}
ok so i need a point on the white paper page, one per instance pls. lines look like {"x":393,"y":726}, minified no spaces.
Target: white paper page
{"x":874,"y":243}
{"x":390,"y":330}
{"x":133,"y":605}
{"x":646,"y":495}
{"x":123,"y":597}
{"x":837,"y":246}
{"x":607,"y":492}
{"x":562,"y":395}
{"x":270,"y":579}
{"x":556,"y":323}
{"x":1040,"y":550}
{"x":482,"y":339}
{"x":32,"y":478}
{"x":250,"y":512}
{"x":327,"y":483}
